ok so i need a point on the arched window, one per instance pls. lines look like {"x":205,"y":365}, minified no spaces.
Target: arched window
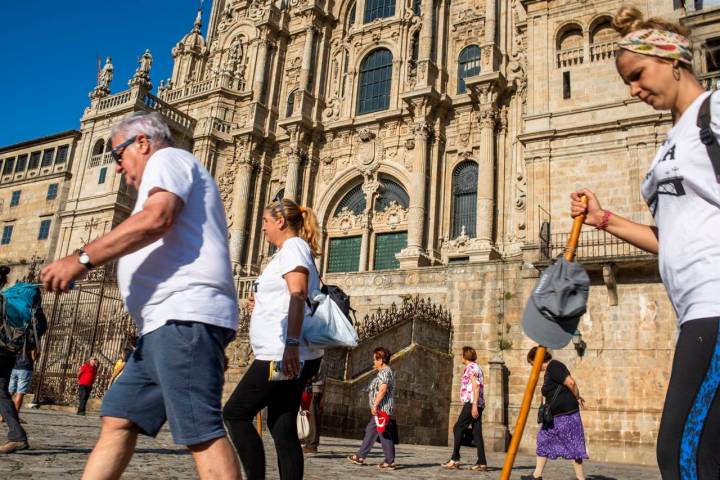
{"x":391,"y":191}
{"x":351,"y":16}
{"x":108,"y":145}
{"x":375,"y":82}
{"x":468,"y":65}
{"x":99,"y":147}
{"x":354,"y":201}
{"x":290,"y":104}
{"x":464,"y":203}
{"x":378,"y":9}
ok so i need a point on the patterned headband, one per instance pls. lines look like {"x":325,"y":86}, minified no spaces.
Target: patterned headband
{"x":658,"y":43}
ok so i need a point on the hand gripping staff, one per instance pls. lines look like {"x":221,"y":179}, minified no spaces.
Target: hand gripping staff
{"x":537,"y":365}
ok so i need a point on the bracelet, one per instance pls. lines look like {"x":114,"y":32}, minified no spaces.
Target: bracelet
{"x":605,"y":220}
{"x":292,"y":342}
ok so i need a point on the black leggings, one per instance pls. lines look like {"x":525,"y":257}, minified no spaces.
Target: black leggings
{"x":282,"y":399}
{"x":464,"y":420}
{"x":689,"y":440}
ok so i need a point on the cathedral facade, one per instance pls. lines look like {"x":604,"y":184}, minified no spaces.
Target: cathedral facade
{"x":438,"y":143}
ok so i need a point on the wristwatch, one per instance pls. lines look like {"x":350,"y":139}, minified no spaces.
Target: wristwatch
{"x":292,"y":342}
{"x":84,"y":259}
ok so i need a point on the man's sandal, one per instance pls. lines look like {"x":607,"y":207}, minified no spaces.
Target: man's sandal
{"x":356,"y":460}
{"x":452,"y":465}
{"x":389,"y":466}
{"x":479,"y":468}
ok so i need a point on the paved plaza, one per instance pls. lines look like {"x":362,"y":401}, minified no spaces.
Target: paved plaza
{"x":61,"y":442}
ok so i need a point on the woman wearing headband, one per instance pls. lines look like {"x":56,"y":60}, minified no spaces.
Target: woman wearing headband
{"x":282,"y":366}
{"x":683,"y":194}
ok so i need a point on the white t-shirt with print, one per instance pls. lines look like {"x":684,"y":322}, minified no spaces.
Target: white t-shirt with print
{"x":684,"y":197}
{"x":268,"y":325}
{"x":185,"y":275}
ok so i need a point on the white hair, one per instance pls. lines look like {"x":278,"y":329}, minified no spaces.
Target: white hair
{"x":150,"y":124}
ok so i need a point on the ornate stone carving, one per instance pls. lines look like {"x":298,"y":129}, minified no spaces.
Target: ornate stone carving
{"x":292,"y":72}
{"x":328,"y":168}
{"x":393,"y":216}
{"x":487,"y":117}
{"x":345,"y":221}
{"x":370,"y":152}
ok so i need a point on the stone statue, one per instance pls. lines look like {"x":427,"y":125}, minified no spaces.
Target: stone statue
{"x":106,"y":75}
{"x":145,"y":63}
{"x":142,"y":73}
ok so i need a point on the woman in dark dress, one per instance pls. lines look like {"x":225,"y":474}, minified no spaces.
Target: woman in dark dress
{"x":564,"y":437}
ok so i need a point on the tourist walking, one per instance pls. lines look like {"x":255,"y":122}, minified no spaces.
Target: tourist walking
{"x":22,"y":374}
{"x":86,"y":380}
{"x":472,"y":387}
{"x":382,"y":409}
{"x":16,"y":437}
{"x":175,"y":277}
{"x":682,"y":191}
{"x":282,"y":366}
{"x":564,"y":437}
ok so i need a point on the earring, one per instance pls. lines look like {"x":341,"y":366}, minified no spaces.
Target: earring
{"x":676,"y":72}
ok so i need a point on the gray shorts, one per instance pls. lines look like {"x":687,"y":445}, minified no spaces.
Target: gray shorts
{"x":176,"y":373}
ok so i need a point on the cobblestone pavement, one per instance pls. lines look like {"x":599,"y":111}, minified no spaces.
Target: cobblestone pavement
{"x":60,"y":443}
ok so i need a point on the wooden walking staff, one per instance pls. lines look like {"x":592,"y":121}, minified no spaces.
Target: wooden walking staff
{"x":537,"y":364}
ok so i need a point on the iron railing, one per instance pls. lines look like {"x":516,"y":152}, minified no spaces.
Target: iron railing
{"x":593,"y":245}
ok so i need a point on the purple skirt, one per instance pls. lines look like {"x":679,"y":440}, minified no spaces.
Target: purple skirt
{"x":566,"y":438}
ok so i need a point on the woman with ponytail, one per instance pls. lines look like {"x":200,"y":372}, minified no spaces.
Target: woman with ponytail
{"x":682,"y":190}
{"x":282,"y":365}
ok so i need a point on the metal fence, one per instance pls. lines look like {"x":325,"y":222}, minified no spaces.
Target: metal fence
{"x":89,"y":321}
{"x":593,"y":244}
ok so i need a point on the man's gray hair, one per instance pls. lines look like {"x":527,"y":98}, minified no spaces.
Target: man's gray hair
{"x":150,"y":124}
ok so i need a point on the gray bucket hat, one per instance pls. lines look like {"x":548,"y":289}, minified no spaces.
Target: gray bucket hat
{"x":557,"y":302}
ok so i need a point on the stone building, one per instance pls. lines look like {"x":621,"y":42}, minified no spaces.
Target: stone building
{"x":438,"y":143}
{"x":34,"y":182}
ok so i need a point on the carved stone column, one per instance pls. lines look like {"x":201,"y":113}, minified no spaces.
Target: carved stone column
{"x":241,"y":202}
{"x":260,"y":68}
{"x":486,"y":176}
{"x":426,"y":31}
{"x":414,"y":254}
{"x":307,"y":58}
{"x":495,"y":407}
{"x":292,"y":179}
{"x":365,"y":243}
{"x":490,"y":21}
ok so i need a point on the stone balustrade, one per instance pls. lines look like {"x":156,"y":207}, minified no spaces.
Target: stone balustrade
{"x":154,"y":103}
{"x":100,"y":159}
{"x":570,"y":56}
{"x":711,"y":80}
{"x":602,"y":51}
{"x":114,"y":101}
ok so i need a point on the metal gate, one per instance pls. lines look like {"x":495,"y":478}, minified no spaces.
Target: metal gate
{"x":89,"y":321}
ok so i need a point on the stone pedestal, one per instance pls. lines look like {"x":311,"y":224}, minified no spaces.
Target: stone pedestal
{"x":495,"y":431}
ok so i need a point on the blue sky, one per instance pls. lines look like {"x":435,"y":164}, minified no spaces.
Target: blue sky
{"x":49,"y":50}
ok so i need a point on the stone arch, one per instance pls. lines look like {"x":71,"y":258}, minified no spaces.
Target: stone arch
{"x":569,"y":35}
{"x":601,"y":30}
{"x":244,"y":29}
{"x":98,"y":147}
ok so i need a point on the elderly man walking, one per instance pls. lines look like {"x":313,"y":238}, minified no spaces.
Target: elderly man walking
{"x":175,"y":277}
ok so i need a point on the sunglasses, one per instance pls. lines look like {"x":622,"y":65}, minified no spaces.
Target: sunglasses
{"x":117,"y":152}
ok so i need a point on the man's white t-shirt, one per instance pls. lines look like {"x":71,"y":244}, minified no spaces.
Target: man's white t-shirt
{"x":684,"y":197}
{"x":268,"y":325}
{"x":185,"y":275}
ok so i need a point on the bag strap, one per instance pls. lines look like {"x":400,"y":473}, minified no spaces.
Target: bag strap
{"x":557,"y":391}
{"x":707,"y":137}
